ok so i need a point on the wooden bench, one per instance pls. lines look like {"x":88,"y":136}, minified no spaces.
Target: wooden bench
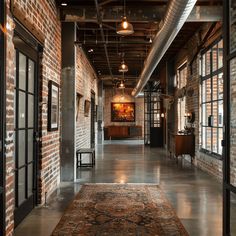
{"x":80,"y":152}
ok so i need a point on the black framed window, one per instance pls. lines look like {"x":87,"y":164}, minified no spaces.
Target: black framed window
{"x":181,"y":83}
{"x":211,"y":99}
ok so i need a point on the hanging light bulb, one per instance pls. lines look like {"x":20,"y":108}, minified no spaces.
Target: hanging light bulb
{"x":123,"y":67}
{"x":125,"y":28}
{"x":121,"y":85}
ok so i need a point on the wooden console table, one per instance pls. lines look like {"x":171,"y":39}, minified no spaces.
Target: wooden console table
{"x":184,"y":144}
{"x":123,"y":131}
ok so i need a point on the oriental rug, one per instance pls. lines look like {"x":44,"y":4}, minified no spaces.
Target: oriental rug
{"x":120,"y":210}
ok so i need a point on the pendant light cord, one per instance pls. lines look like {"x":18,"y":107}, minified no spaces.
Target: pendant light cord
{"x":124,"y":9}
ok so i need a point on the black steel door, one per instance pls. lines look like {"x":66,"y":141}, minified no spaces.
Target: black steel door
{"x":93,"y":119}
{"x":25,"y":128}
{"x":229,"y":170}
{"x":2,"y":117}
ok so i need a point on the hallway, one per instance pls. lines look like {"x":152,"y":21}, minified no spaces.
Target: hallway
{"x":195,"y":195}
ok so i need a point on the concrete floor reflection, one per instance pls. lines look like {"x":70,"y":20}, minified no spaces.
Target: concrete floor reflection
{"x":195,"y":195}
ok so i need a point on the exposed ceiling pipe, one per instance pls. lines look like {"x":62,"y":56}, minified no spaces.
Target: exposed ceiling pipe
{"x":99,"y":19}
{"x":176,"y":14}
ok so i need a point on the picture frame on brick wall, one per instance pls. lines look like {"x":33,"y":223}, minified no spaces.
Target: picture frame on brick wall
{"x":86,"y":108}
{"x":53,"y":106}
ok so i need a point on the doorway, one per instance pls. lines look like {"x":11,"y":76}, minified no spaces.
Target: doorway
{"x":2,"y":118}
{"x":26,"y":127}
{"x":229,"y":162}
{"x":93,"y":112}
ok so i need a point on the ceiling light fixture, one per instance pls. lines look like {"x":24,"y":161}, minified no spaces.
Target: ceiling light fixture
{"x":90,"y":50}
{"x":121,"y":85}
{"x":123,"y":67}
{"x":125,"y":28}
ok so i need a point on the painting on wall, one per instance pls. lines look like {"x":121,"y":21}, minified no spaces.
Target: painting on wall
{"x":123,"y":112}
{"x":53,"y":106}
{"x":86,"y":108}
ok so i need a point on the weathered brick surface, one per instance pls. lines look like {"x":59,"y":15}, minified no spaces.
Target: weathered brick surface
{"x":43,"y":15}
{"x":86,"y":81}
{"x":117,"y":95}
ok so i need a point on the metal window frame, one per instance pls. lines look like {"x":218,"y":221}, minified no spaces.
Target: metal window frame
{"x":31,"y":45}
{"x":204,"y":78}
{"x":228,"y":188}
{"x":2,"y":116}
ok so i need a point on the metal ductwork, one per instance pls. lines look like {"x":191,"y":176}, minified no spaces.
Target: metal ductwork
{"x":176,"y":14}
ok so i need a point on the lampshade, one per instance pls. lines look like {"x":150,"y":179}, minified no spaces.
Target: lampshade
{"x":123,"y":67}
{"x":121,"y":85}
{"x":125,"y":28}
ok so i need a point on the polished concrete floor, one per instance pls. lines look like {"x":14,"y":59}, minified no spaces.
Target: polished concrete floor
{"x":195,"y":195}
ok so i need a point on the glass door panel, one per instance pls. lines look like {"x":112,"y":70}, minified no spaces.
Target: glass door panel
{"x":24,"y":134}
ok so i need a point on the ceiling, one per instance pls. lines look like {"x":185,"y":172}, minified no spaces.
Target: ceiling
{"x":96,"y":32}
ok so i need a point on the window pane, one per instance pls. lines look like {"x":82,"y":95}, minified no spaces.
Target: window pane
{"x":203,"y":65}
{"x":31,"y":72}
{"x":215,"y":113}
{"x":22,"y":71}
{"x":220,"y":113}
{"x":214,"y":58}
{"x":208,"y":139}
{"x":208,"y":90}
{"x":30,"y":145}
{"x":30,"y":111}
{"x":208,"y":112}
{"x":204,"y":137}
{"x":204,"y":91}
{"x":215,"y":140}
{"x":30,"y":180}
{"x":21,"y":148}
{"x":21,"y":108}
{"x":220,"y":86}
{"x":208,"y":62}
{"x":220,"y":138}
{"x":21,"y":185}
{"x":220,"y":54}
{"x":215,"y":87}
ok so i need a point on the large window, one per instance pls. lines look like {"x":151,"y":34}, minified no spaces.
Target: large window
{"x":181,"y":83}
{"x":212,"y":98}
{"x":181,"y":113}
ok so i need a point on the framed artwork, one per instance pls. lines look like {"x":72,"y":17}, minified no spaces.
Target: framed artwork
{"x":78,"y":98}
{"x":86,"y":108}
{"x":53,"y":106}
{"x":123,"y":112}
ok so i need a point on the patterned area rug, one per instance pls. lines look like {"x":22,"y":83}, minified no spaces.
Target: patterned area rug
{"x":120,"y":210}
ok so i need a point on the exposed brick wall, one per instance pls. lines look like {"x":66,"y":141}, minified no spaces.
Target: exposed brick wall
{"x":111,"y":95}
{"x":43,"y":15}
{"x":202,"y":160}
{"x":233,"y":121}
{"x":86,"y":81}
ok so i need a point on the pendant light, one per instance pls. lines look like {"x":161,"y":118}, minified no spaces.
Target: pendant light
{"x":123,"y":67}
{"x":121,"y":85}
{"x":125,"y":28}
